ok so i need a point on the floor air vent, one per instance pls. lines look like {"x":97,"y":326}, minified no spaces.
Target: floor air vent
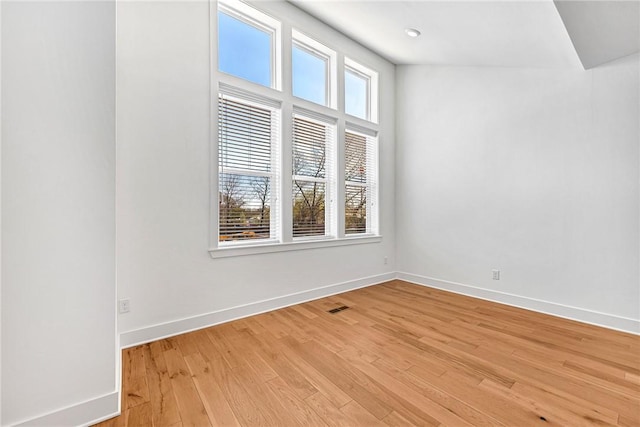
{"x":336,"y":310}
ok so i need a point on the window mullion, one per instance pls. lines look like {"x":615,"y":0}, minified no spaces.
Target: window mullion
{"x":213,"y":114}
{"x":373,"y":185}
{"x":330,"y":195}
{"x":340,"y":83}
{"x":214,"y":179}
{"x":286,"y":195}
{"x":339,"y":205}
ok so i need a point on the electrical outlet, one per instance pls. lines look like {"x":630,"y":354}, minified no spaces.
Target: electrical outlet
{"x":386,"y":260}
{"x":496,"y":274}
{"x":124,"y":306}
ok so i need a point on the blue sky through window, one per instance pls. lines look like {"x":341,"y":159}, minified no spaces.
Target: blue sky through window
{"x":309,"y":76}
{"x":355,"y":96}
{"x":244,"y":50}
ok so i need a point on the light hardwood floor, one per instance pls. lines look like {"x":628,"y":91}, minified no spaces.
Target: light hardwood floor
{"x":401,"y":355}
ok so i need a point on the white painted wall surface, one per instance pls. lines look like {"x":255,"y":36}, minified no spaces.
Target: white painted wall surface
{"x":0,"y":213}
{"x":58,"y":192}
{"x":163,"y":171}
{"x":533,"y":172}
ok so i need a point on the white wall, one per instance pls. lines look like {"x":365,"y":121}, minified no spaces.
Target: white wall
{"x":163,"y":143}
{"x":0,"y":213}
{"x":58,"y":227}
{"x":530,"y":171}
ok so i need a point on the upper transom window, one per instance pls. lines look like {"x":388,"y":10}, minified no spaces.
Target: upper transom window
{"x":248,"y":44}
{"x":360,"y":91}
{"x":313,"y":70}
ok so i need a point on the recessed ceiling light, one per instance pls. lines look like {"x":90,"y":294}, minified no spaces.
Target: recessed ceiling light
{"x":412,"y":32}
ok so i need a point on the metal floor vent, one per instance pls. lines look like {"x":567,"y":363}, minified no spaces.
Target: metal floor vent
{"x":335,"y":310}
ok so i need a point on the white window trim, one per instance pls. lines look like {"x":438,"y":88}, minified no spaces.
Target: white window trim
{"x":262,"y":21}
{"x":372,"y":82}
{"x":276,"y":162}
{"x":371,"y":185}
{"x":321,"y":51}
{"x":317,"y":243}
{"x":289,"y":104}
{"x":330,"y":207}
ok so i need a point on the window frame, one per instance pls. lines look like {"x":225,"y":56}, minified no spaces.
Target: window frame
{"x":372,"y":89}
{"x":261,"y":21}
{"x":330,"y":171}
{"x":371,"y":180}
{"x":319,"y":50}
{"x":275,"y":216}
{"x":282,"y":94}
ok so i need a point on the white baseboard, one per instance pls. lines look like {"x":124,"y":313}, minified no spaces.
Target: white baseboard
{"x":605,"y":320}
{"x":81,"y":414}
{"x":181,"y":326}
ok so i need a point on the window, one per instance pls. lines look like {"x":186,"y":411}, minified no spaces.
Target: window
{"x":313,"y":142}
{"x":309,"y":75}
{"x":248,"y":43}
{"x":247,"y":170}
{"x":313,"y":70}
{"x":360,"y":91}
{"x":360,"y":164}
{"x":292,"y":169}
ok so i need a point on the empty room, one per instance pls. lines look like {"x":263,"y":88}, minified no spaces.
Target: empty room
{"x":319,"y":213}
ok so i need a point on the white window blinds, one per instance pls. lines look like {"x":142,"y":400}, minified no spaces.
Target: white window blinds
{"x":360,"y":194}
{"x":312,"y":144}
{"x":248,"y":169}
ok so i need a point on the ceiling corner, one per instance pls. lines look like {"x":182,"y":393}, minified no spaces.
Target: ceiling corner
{"x":601,"y":31}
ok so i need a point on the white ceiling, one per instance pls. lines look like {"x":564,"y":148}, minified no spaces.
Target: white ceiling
{"x":484,"y":33}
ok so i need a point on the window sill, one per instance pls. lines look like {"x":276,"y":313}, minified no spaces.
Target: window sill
{"x":240,"y":250}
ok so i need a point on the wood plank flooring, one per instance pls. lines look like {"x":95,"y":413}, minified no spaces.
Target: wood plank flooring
{"x":400,"y":355}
